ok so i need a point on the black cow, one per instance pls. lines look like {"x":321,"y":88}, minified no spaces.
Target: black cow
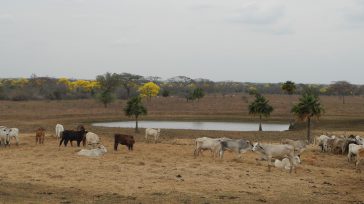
{"x":127,"y":140}
{"x":71,"y":135}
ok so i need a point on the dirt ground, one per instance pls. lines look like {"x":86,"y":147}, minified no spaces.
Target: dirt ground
{"x":167,"y":172}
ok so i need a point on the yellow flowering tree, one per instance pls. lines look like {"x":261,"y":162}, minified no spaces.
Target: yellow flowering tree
{"x":149,"y":90}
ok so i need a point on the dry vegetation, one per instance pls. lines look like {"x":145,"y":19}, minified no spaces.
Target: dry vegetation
{"x":167,"y":172}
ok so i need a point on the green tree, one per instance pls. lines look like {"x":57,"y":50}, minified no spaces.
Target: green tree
{"x":289,"y":87}
{"x":198,"y":93}
{"x":128,"y":81}
{"x":107,"y":84}
{"x":342,"y":88}
{"x":135,"y":108}
{"x":165,"y":93}
{"x":308,"y":106}
{"x":260,"y":106}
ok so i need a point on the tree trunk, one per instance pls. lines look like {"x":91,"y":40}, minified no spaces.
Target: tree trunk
{"x":127,"y":92}
{"x":309,"y":130}
{"x":105,"y":105}
{"x":136,"y":124}
{"x":260,"y":123}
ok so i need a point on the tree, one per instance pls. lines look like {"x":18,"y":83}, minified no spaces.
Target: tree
{"x":165,"y":93}
{"x":128,"y":81}
{"x":260,"y":107}
{"x":308,"y":106}
{"x":289,"y":87}
{"x":198,"y":93}
{"x":149,"y":90}
{"x":342,"y":88}
{"x":135,"y":108}
{"x":105,"y":97}
{"x":107,"y":84}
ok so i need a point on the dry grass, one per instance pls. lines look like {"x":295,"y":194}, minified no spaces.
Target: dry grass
{"x":167,"y":172}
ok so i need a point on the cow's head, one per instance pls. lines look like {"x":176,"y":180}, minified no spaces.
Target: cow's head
{"x":257,"y":147}
{"x":102,"y":148}
{"x":6,"y":131}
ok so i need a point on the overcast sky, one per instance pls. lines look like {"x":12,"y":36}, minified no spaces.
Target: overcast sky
{"x":310,"y":41}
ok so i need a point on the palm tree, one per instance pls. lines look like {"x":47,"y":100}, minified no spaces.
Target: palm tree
{"x":260,"y":107}
{"x":289,"y":87}
{"x":135,"y":108}
{"x":308,"y":106}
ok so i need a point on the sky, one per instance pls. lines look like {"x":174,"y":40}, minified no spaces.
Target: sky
{"x":311,"y":41}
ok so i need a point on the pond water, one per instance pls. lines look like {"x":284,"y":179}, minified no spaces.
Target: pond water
{"x":225,"y":126}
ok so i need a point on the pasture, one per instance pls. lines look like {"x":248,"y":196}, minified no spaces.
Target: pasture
{"x":167,"y":172}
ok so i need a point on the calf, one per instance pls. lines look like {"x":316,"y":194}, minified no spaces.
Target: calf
{"x":152,"y":132}
{"x":39,"y":136}
{"x":71,"y":135}
{"x":14,"y":133}
{"x":59,"y":130}
{"x":101,"y":150}
{"x":284,"y":164}
{"x":127,"y":140}
{"x":92,"y":139}
{"x":4,"y":135}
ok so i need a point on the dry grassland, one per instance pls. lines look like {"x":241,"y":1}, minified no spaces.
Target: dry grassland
{"x":167,"y":172}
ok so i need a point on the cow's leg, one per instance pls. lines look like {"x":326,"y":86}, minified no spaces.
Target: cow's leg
{"x":196,"y":152}
{"x":269,"y":163}
{"x":17,"y":140}
{"x":291,"y":164}
{"x":65,"y":142}
{"x":78,"y":143}
{"x":60,"y":142}
{"x":116,"y":146}
{"x":357,"y":165}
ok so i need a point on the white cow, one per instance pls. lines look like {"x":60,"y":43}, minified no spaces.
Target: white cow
{"x":59,"y":130}
{"x":4,"y":135}
{"x":92,"y":139}
{"x":14,"y":132}
{"x":270,"y":151}
{"x":284,"y":164}
{"x":359,"y":140}
{"x":353,"y":150}
{"x":152,"y":132}
{"x":101,"y":150}
{"x":206,"y":143}
{"x":322,"y":141}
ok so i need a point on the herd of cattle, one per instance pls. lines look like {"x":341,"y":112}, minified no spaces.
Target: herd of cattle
{"x":286,"y":155}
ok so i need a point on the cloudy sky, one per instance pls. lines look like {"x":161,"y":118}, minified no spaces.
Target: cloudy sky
{"x":311,"y":41}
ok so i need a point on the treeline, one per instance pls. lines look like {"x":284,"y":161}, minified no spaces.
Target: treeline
{"x":126,"y":85}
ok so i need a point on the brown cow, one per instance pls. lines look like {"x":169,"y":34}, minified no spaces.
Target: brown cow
{"x":127,"y":140}
{"x":39,"y":136}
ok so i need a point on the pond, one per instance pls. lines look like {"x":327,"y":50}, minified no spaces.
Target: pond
{"x":224,"y":126}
